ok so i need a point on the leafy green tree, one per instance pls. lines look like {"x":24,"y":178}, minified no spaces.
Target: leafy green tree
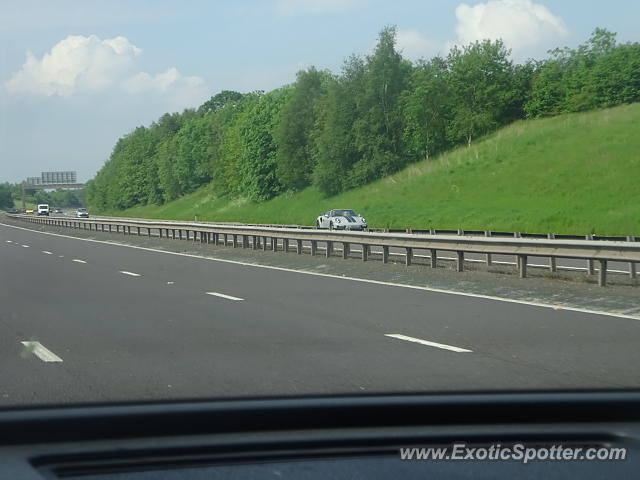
{"x":6,"y":200}
{"x":427,"y":107}
{"x":259,"y":181}
{"x":481,"y":82}
{"x":219,"y":101}
{"x":294,"y":134}
{"x":335,"y":145}
{"x":378,"y":128}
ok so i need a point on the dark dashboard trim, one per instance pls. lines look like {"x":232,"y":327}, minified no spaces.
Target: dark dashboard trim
{"x":96,"y":422}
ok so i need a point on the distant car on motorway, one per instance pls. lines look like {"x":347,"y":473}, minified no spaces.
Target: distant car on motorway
{"x":29,"y":211}
{"x":13,"y":211}
{"x":57,"y":210}
{"x":43,"y":209}
{"x":82,"y":213}
{"x":341,"y":219}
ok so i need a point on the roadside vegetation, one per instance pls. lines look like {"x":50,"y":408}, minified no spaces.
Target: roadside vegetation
{"x":11,"y":197}
{"x":574,"y":173}
{"x":421,"y":132}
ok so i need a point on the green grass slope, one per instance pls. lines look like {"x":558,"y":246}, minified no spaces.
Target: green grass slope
{"x":577,"y":173}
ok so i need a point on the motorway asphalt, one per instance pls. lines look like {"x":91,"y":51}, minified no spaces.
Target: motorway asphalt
{"x":126,"y":323}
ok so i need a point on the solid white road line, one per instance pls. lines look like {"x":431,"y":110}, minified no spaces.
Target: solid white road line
{"x":41,"y":352}
{"x":47,"y":253}
{"x":222,"y":295}
{"x":78,"y":261}
{"x":428,"y":343}
{"x":131,"y":274}
{"x":632,"y":316}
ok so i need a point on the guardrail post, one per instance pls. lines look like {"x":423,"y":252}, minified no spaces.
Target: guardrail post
{"x":522,"y":264}
{"x":234,"y":239}
{"x":409,"y":256}
{"x":434,"y":258}
{"x":160,"y":232}
{"x":245,"y":241}
{"x":460,"y":261}
{"x":632,"y":265}
{"x":385,"y":254}
{"x":552,"y":260}
{"x":590,"y":268}
{"x":329,"y":249}
{"x":299,"y":247}
{"x":489,"y":258}
{"x":274,"y":244}
{"x":285,"y":244}
{"x":365,"y":252}
{"x":602,"y":277}
{"x":345,"y":249}
{"x":314,"y":247}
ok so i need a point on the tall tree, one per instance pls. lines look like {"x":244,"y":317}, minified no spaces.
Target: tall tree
{"x":481,"y":81}
{"x":378,"y":128}
{"x":295,"y":132}
{"x":426,"y":107}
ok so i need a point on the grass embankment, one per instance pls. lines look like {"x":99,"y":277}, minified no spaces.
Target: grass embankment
{"x":577,"y":173}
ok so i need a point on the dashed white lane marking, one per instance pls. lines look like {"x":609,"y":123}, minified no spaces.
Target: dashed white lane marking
{"x":8,"y":241}
{"x":41,"y":352}
{"x":25,"y":246}
{"x":228,"y":297}
{"x":131,"y":274}
{"x":428,"y":343}
{"x":60,"y":256}
{"x":47,"y":253}
{"x":78,"y":261}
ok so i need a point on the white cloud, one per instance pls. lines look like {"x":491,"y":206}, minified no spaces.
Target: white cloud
{"x":80,"y":64}
{"x":414,"y":45}
{"x":73,"y":64}
{"x":525,"y":26}
{"x":296,"y":7}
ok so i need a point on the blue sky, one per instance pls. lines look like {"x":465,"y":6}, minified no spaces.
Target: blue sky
{"x":95,"y":70}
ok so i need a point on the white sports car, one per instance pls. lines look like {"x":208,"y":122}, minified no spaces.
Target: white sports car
{"x":341,"y":220}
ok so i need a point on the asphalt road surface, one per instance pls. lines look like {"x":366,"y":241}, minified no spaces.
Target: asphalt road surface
{"x":86,"y":321}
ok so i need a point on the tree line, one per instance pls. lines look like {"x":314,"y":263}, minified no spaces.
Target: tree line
{"x":11,"y":195}
{"x":340,"y":131}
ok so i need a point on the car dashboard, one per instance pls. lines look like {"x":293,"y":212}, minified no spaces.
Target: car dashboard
{"x":318,"y":437}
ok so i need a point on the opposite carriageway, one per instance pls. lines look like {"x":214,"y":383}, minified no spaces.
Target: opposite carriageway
{"x":266,"y":238}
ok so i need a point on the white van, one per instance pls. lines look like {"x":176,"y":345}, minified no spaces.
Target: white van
{"x":43,"y":209}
